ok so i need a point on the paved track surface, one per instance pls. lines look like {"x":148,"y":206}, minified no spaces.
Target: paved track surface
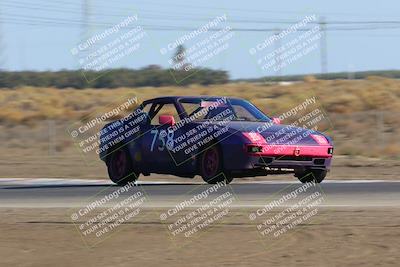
{"x":47,"y":192}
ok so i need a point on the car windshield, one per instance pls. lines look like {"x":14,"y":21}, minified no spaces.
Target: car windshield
{"x":222,"y":109}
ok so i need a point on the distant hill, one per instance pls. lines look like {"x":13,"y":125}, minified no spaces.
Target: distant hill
{"x":154,"y":76}
{"x":149,"y":76}
{"x":395,"y":74}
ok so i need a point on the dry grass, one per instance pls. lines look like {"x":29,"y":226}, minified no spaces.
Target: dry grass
{"x":28,"y":104}
{"x":352,"y":106}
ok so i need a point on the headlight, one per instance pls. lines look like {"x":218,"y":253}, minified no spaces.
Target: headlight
{"x":255,"y":138}
{"x":320,"y":139}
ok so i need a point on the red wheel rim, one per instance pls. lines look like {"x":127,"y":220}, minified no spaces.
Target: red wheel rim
{"x":119,"y":163}
{"x":211,"y":162}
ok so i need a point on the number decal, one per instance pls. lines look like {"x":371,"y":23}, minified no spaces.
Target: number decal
{"x":170,"y":139}
{"x":169,"y":143}
{"x":161,"y":138}
{"x":155,"y":132}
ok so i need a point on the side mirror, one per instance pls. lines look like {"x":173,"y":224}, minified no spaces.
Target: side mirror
{"x":276,"y":120}
{"x":166,"y":119}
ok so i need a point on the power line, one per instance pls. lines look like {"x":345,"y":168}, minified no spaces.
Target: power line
{"x":51,"y":21}
{"x":192,"y":16}
{"x":263,"y":11}
{"x":184,"y":18}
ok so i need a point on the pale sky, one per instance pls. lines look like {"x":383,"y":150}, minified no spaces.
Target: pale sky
{"x":39,"y":34}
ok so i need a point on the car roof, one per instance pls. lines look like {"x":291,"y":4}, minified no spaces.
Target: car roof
{"x":174,"y":98}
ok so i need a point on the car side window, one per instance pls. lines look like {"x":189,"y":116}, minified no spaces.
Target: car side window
{"x":164,"y":109}
{"x":146,"y":109}
{"x":242,"y":113}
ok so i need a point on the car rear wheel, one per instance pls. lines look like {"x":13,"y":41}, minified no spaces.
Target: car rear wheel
{"x":120,"y":167}
{"x":309,"y":176}
{"x":211,"y":167}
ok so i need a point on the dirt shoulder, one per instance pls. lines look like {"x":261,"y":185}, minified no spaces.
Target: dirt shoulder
{"x":345,"y":237}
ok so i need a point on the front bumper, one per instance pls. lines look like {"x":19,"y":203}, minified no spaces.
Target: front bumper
{"x":292,"y":156}
{"x":291,"y":150}
{"x":281,"y":157}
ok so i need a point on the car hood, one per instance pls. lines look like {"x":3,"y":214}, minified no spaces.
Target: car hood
{"x":275,"y":133}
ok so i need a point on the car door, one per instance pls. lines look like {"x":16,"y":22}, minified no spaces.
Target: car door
{"x":156,"y":137}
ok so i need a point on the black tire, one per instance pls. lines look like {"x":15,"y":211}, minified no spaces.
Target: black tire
{"x":316,"y":176}
{"x":211,"y":166}
{"x":120,"y":167}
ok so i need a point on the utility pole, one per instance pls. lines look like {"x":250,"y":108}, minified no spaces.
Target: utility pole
{"x":85,"y":19}
{"x":323,"y":46}
{"x":277,"y":42}
{"x":2,"y":46}
{"x":350,"y":71}
{"x":85,"y":30}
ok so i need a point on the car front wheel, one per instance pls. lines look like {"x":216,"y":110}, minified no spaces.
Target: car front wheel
{"x":211,"y":167}
{"x":308,"y":176}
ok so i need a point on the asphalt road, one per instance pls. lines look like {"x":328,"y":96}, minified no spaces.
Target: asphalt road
{"x":32,"y":193}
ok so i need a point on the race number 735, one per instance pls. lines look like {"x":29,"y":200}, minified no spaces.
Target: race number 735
{"x":165,"y":137}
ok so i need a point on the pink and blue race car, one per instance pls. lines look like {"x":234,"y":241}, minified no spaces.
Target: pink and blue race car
{"x":217,"y":138}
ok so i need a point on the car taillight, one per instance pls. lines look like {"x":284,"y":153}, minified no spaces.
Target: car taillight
{"x":255,"y":138}
{"x":321,"y":140}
